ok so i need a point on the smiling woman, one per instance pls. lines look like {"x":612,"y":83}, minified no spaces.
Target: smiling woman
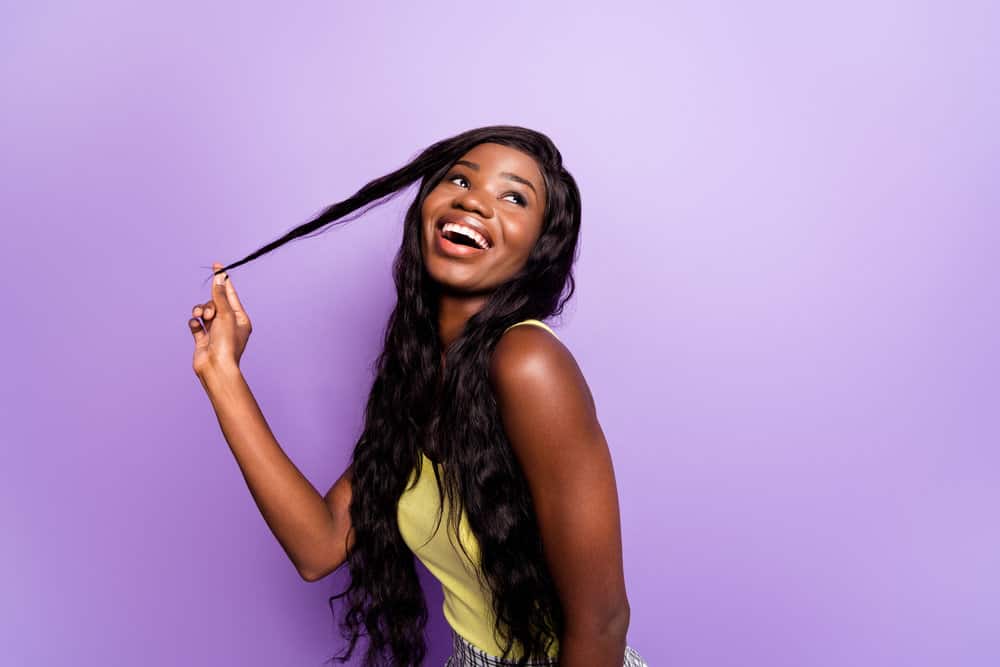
{"x":483,"y":214}
{"x":475,"y":427}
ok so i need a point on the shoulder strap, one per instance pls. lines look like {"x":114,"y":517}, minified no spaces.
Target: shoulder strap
{"x":538,"y":323}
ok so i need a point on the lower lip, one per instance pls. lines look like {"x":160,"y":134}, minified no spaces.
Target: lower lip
{"x":455,"y":249}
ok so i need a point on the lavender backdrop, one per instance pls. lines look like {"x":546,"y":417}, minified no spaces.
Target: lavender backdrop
{"x":787,"y":308}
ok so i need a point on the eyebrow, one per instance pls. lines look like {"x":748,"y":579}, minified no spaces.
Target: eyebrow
{"x":509,"y":175}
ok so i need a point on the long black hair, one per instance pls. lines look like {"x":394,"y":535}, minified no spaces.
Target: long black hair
{"x":416,"y":405}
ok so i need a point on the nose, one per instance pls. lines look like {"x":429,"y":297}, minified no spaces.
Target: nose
{"x":470,"y":201}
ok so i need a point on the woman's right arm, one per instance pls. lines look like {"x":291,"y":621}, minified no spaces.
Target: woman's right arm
{"x":314,"y":531}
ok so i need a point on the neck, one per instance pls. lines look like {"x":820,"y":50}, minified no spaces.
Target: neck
{"x":453,"y":313}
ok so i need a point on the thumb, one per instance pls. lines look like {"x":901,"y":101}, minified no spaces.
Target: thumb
{"x":219,"y":296}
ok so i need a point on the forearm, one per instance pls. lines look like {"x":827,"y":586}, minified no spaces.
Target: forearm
{"x":582,"y":648}
{"x":293,"y":509}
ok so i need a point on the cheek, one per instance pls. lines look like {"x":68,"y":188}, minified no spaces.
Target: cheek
{"x":427,"y":207}
{"x":432,"y":200}
{"x":519,"y":244}
{"x":426,"y":212}
{"x":523,"y":236}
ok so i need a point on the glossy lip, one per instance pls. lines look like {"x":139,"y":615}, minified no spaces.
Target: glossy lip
{"x":465,"y":220}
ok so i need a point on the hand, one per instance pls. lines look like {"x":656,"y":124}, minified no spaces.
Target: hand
{"x":222,"y":339}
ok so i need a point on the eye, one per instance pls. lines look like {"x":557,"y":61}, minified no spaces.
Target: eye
{"x":521,"y":201}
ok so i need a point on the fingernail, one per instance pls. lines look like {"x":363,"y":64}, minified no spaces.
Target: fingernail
{"x":220,"y":278}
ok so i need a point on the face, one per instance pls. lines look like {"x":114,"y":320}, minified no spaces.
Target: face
{"x":499,"y":193}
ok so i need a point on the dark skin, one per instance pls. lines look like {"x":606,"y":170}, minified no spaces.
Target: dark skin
{"x":546,"y":406}
{"x":547,"y":409}
{"x":510,"y":211}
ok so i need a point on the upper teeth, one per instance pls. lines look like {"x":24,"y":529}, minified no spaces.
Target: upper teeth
{"x":468,"y":231}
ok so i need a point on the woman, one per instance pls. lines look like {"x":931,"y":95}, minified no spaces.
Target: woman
{"x":472,"y":422}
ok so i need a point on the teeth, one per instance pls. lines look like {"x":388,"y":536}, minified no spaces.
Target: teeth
{"x":467,"y":231}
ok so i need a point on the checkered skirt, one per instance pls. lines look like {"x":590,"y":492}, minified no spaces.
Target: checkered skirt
{"x":464,"y":654}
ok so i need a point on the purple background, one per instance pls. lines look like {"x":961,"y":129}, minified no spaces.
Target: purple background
{"x":787,"y":308}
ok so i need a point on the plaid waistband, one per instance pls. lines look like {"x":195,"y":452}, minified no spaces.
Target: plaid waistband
{"x":465,"y":654}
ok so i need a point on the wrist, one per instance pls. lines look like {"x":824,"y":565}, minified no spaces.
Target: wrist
{"x":219,"y":373}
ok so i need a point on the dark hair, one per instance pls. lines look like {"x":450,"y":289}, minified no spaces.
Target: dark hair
{"x":480,"y":474}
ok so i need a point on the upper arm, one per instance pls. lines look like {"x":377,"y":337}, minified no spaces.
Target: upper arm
{"x":549,"y":416}
{"x":338,"y":500}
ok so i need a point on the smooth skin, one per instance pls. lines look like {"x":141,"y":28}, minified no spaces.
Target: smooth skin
{"x":547,"y":408}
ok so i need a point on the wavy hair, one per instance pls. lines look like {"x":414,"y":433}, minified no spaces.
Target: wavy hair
{"x":480,"y":475}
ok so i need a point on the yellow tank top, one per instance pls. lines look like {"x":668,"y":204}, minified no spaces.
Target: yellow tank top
{"x":467,"y":605}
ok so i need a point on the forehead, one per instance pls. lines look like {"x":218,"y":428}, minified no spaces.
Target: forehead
{"x":495,"y":158}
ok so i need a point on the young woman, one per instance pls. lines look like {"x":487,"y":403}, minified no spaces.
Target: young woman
{"x":473,"y":423}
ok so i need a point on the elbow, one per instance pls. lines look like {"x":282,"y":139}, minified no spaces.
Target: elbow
{"x":613,"y":621}
{"x":311,"y":575}
{"x":619,"y":620}
{"x":314,"y":575}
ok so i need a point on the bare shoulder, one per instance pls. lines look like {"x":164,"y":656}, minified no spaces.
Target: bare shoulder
{"x":524,"y":347}
{"x":529,"y":362}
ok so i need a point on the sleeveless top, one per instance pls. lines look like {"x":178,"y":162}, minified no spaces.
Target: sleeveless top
{"x":467,"y":605}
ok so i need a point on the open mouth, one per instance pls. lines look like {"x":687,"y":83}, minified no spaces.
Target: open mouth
{"x":459,"y":236}
{"x":457,"y":244}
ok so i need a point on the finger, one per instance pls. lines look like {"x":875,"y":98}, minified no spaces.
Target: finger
{"x":219,"y":297}
{"x":231,"y":296}
{"x":200,"y":337}
{"x":242,"y":319}
{"x":234,"y":299}
{"x":204,"y":310}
